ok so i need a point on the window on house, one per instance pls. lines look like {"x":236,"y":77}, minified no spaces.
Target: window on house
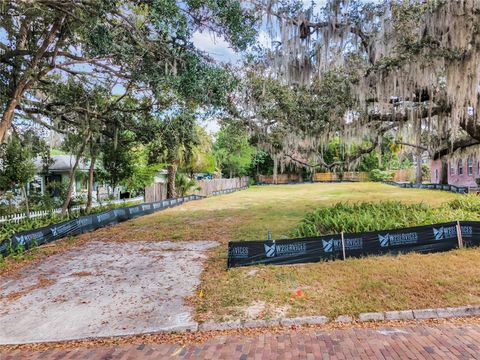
{"x":452,"y":168}
{"x":436,"y":174}
{"x":470,"y":166}
{"x":460,"y":167}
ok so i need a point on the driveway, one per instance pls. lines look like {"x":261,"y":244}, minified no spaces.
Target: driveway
{"x":102,"y":289}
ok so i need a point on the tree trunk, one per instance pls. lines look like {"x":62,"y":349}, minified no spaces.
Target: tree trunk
{"x":71,"y":176}
{"x":444,"y":173}
{"x":25,"y":196}
{"x":90,"y":183}
{"x":418,"y":176}
{"x":7,"y":116}
{"x":172,"y":171}
{"x":275,"y":169}
{"x":419,"y":152}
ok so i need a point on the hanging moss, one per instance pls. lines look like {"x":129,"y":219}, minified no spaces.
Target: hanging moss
{"x":401,"y":53}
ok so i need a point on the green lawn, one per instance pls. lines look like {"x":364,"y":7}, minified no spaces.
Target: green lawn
{"x":332,"y":288}
{"x":246,"y":215}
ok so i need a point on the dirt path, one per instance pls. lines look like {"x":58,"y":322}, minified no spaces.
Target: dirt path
{"x":102,"y":289}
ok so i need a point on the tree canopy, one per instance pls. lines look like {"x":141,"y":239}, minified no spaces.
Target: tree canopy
{"x":410,"y":69}
{"x":106,"y":74}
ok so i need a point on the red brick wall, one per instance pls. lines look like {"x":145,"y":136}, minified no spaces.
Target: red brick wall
{"x":465,"y":179}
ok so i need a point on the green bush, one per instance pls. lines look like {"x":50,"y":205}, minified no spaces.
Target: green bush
{"x":470,"y":203}
{"x":367,"y":216}
{"x":426,"y":175}
{"x":380,"y":175}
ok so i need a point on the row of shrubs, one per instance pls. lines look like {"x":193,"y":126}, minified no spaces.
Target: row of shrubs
{"x":386,"y":175}
{"x":375,"y":216}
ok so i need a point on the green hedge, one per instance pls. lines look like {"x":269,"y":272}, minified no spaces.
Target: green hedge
{"x":375,"y":216}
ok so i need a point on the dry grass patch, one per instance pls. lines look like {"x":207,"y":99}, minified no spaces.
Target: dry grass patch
{"x":411,"y":281}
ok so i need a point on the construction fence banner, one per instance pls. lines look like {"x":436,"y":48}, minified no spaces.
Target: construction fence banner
{"x":420,"y":239}
{"x":453,"y":188}
{"x":87,"y":223}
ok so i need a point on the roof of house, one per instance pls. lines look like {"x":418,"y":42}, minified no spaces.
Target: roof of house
{"x":62,"y":163}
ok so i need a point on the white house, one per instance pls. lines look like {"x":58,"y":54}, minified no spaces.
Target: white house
{"x":59,"y":172}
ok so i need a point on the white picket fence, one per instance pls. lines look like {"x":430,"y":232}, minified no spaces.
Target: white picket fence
{"x":15,"y":218}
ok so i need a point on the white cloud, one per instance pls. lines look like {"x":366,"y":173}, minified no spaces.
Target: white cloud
{"x":215,"y":46}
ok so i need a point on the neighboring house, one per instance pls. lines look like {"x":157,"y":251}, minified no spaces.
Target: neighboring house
{"x":59,"y":172}
{"x":460,"y":168}
{"x":160,"y":177}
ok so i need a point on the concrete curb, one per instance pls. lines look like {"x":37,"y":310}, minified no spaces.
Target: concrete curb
{"x":418,"y":314}
{"x":415,"y":314}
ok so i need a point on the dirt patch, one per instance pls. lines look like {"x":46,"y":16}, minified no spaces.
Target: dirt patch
{"x":102,"y":289}
{"x":254,"y":310}
{"x":42,"y":282}
{"x":82,"y":273}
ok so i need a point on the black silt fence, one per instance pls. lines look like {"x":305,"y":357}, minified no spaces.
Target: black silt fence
{"x":87,"y":223}
{"x":420,"y":239}
{"x":452,"y":188}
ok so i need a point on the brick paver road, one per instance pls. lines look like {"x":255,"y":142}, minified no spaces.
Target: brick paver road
{"x":445,"y":341}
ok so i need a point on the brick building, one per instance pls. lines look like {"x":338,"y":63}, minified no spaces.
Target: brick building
{"x":461,"y":168}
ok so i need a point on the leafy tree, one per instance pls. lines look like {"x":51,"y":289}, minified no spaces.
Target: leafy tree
{"x":174,"y":144}
{"x":142,"y":45}
{"x":118,"y":158}
{"x":405,"y":70}
{"x":16,"y":168}
{"x":143,"y":173}
{"x":369,"y":162}
{"x":233,"y":151}
{"x":262,"y":163}
{"x":202,"y":159}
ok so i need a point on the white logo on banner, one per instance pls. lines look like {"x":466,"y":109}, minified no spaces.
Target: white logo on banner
{"x":238,"y":252}
{"x":336,"y":245}
{"x":269,"y":250}
{"x":397,"y":239}
{"x":277,"y":249}
{"x":327,"y":245}
{"x":445,"y":232}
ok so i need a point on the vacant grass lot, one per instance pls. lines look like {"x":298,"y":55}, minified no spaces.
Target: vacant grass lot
{"x":246,"y":215}
{"x":333,"y":288}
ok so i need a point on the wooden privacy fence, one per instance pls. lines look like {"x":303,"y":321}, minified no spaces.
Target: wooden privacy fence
{"x":208,"y":187}
{"x":404,"y":175}
{"x":281,"y":179}
{"x":155,"y":192}
{"x":347,"y":176}
{"x":401,"y":175}
{"x":158,"y":191}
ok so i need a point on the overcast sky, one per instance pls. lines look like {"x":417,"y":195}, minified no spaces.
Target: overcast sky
{"x":219,"y":49}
